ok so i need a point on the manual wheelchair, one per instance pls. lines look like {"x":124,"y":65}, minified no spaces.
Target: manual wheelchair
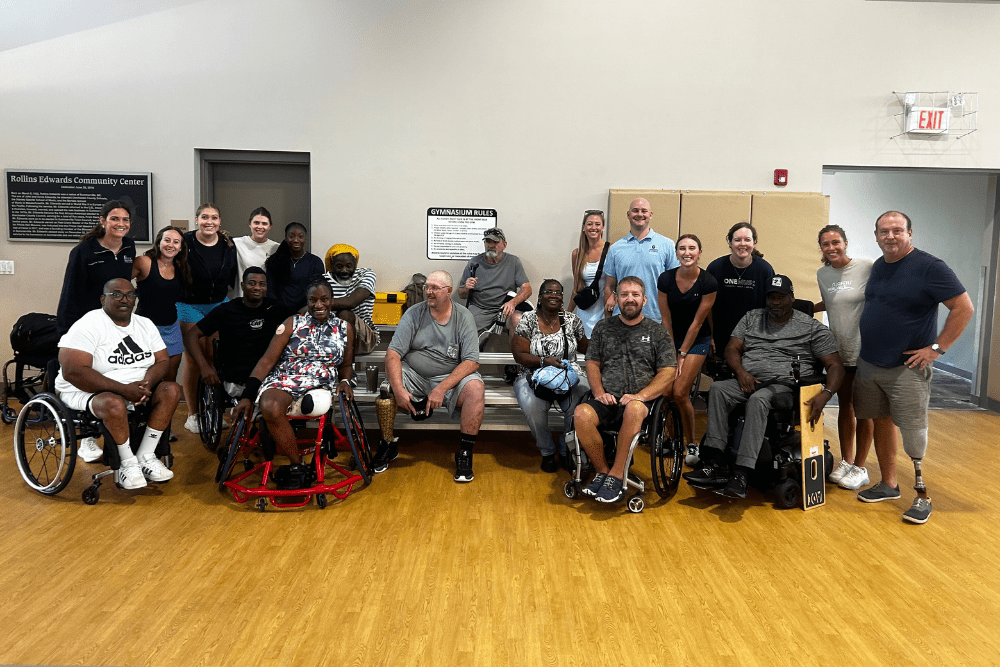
{"x":45,"y":437}
{"x":315,"y":406}
{"x":661,"y":431}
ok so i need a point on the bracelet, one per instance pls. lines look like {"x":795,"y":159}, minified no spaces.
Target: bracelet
{"x":251,"y":388}
{"x":828,"y":391}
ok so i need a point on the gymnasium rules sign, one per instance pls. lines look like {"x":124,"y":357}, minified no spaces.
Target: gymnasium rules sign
{"x":457,"y":233}
{"x":64,"y":205}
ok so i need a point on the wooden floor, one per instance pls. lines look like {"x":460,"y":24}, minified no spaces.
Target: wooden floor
{"x":417,"y":570}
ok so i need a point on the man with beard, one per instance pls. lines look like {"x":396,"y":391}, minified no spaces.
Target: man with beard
{"x":630,"y":362}
{"x":488,"y":278}
{"x":353,"y":294}
{"x":434,"y":357}
{"x":761,"y":351}
{"x":246,"y":326}
{"x":111,"y":360}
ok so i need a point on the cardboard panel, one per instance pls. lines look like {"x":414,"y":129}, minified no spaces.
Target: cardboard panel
{"x":665,"y":205}
{"x":709,"y":215}
{"x":787,"y":225}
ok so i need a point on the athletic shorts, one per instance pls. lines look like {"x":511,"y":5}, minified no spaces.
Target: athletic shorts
{"x":171,"y":335}
{"x":420,"y":387}
{"x":701,"y":346}
{"x":610,"y":416}
{"x":81,"y":400}
{"x":193,"y":312}
{"x":901,"y":393}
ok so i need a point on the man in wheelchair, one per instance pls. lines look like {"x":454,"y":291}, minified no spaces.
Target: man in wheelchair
{"x":761,"y":352}
{"x":631,"y":361}
{"x":111,"y":360}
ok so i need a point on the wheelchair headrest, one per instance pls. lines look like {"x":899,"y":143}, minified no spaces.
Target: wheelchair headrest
{"x":313,"y":403}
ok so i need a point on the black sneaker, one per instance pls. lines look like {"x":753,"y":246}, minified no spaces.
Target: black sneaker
{"x":595,"y":485}
{"x":549,"y":463}
{"x":387,"y":452}
{"x":737,"y":486}
{"x":878,"y":493}
{"x":509,"y":374}
{"x":709,"y":474}
{"x":463,"y":466}
{"x":612,"y":491}
{"x":919,"y":511}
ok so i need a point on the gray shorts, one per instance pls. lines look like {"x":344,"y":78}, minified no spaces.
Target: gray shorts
{"x":900,"y":392}
{"x":420,"y":386}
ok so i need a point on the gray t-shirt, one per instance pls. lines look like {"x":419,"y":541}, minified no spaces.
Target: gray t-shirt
{"x":843,"y":293}
{"x":493,"y":281}
{"x":768,"y":349}
{"x":433,"y":349}
{"x":630,"y":356}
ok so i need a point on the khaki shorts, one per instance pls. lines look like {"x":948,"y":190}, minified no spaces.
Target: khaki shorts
{"x":365,"y":338}
{"x":900,"y":392}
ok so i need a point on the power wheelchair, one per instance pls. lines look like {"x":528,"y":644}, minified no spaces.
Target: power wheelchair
{"x":661,"y":431}
{"x":246,"y":437}
{"x":779,"y":463}
{"x":45,"y":437}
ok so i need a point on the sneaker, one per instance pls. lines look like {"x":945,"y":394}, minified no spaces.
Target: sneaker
{"x":387,"y":452}
{"x":611,"y":491}
{"x":855,"y":479}
{"x":154,"y":471}
{"x":878,"y":493}
{"x":191,"y":424}
{"x":129,"y":474}
{"x":737,"y":485}
{"x":710,"y":474}
{"x":919,"y":511}
{"x":838,"y":473}
{"x":549,"y":463}
{"x":595,"y":485}
{"x":89,"y":451}
{"x":691,"y":459}
{"x":463,"y":466}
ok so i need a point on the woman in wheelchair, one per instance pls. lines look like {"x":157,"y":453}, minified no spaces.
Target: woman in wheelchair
{"x":302,"y":356}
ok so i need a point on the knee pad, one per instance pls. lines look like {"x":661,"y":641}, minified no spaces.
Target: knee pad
{"x":386,"y":410}
{"x":914,"y":442}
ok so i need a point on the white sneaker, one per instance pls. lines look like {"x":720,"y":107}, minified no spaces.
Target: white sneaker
{"x":88,"y":450}
{"x":691,"y":459}
{"x":838,"y":473}
{"x":191,"y":424}
{"x":854,"y":479}
{"x":129,"y":475}
{"x":154,"y":471}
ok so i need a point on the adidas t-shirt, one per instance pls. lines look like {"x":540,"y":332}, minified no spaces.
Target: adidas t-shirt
{"x":122,"y":354}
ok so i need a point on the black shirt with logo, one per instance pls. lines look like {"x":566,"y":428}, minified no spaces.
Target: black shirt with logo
{"x":244,"y":334}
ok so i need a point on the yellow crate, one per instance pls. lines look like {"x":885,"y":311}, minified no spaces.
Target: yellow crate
{"x":388,"y":307}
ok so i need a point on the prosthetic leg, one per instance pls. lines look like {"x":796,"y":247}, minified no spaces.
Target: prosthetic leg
{"x":385,"y":408}
{"x":915,"y":446}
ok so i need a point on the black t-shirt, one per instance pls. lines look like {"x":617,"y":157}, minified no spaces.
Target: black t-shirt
{"x":244,"y":334}
{"x":740,"y":291}
{"x":684,"y":305}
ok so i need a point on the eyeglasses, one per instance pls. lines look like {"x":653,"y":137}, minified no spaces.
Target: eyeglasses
{"x":434,"y":288}
{"x":118,"y":296}
{"x":552,"y":292}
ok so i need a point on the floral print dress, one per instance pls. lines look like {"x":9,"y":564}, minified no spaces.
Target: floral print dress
{"x":311,"y":357}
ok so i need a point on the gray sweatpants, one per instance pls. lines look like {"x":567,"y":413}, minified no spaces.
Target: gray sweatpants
{"x":723,"y":397}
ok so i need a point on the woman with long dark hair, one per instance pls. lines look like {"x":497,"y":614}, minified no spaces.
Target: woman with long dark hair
{"x":290,"y":269}
{"x":586,"y":261}
{"x":842,"y":283}
{"x":212,"y":259}
{"x":162,"y":274}
{"x":742,"y":275}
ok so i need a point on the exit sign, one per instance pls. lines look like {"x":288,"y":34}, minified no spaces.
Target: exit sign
{"x":928,"y":120}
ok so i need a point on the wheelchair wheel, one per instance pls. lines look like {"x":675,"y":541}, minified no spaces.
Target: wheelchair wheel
{"x":787,"y":492}
{"x":666,"y":447}
{"x":636,"y":504}
{"x":7,"y":414}
{"x":210,"y":410}
{"x":570,"y":490}
{"x":233,"y":445}
{"x":360,"y":444}
{"x":45,"y":444}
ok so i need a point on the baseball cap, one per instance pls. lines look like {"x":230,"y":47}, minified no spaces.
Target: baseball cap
{"x":494,"y":234}
{"x":781,"y":284}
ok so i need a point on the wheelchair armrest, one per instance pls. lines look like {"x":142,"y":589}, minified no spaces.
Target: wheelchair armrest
{"x":809,"y":380}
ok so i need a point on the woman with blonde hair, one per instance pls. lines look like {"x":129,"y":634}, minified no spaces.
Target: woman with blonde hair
{"x":588,"y":271}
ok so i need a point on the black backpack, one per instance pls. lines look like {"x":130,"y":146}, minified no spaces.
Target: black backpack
{"x":35,"y":334}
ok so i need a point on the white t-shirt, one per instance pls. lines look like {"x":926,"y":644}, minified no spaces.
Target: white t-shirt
{"x":843,"y":292}
{"x":250,"y":253}
{"x":122,"y":354}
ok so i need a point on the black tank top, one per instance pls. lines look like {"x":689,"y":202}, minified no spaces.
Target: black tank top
{"x":158,"y":296}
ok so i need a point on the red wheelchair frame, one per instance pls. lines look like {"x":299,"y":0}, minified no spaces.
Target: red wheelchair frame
{"x":243,"y":440}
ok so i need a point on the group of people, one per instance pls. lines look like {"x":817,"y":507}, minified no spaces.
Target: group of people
{"x":877,"y":352}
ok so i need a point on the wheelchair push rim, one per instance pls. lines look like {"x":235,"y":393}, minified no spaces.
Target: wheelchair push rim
{"x":666,"y":447}
{"x":45,"y":444}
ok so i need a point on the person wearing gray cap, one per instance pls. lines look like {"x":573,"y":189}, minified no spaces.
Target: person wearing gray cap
{"x":761,"y":351}
{"x":489,"y":280}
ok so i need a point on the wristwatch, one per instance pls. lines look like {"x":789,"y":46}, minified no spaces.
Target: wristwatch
{"x":937,"y":348}
{"x":682,"y":354}
{"x":827,"y":390}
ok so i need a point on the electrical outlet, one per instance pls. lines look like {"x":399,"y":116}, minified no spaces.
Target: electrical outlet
{"x":7,"y":267}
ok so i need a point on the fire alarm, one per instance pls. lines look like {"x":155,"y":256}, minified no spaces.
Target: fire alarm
{"x":781,"y":177}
